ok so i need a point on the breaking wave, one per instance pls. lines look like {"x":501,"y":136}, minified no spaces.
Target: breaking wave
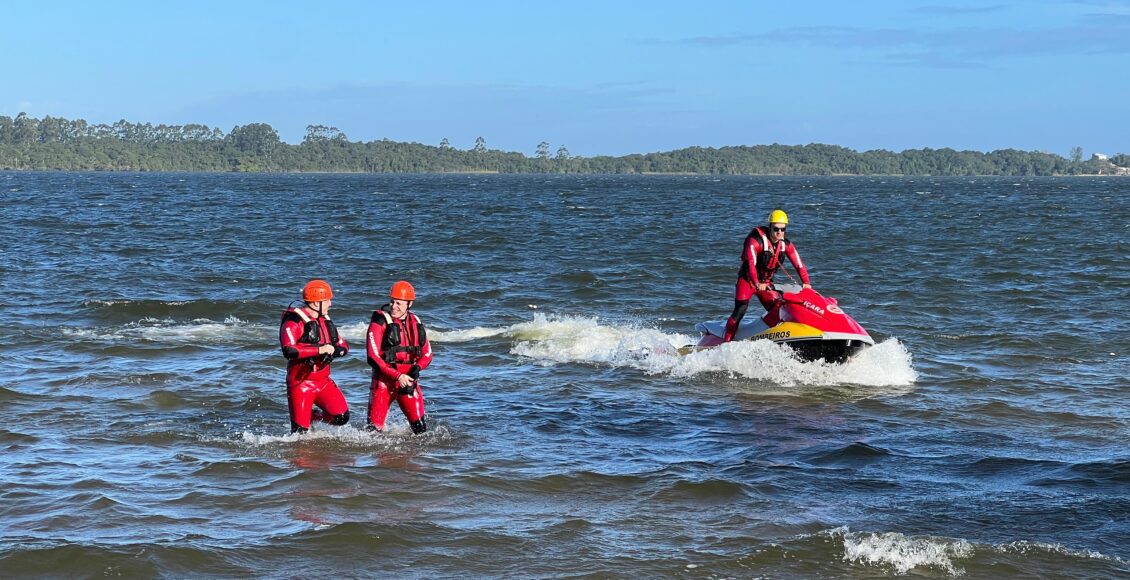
{"x":901,"y":553}
{"x":904,"y":553}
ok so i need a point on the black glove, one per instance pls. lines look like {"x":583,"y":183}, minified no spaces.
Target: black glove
{"x":414,"y":374}
{"x":339,"y":351}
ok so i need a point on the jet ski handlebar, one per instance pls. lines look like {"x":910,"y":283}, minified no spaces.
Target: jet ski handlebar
{"x":785,"y":290}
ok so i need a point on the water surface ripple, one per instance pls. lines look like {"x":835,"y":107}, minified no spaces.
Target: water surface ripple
{"x":985,"y":434}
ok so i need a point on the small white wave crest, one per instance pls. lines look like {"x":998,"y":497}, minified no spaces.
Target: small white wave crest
{"x":904,"y":553}
{"x":166,"y":330}
{"x":1026,"y":547}
{"x":453,"y":336}
{"x":355,"y":333}
{"x":97,"y":302}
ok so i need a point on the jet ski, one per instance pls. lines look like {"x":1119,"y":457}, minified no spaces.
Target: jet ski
{"x":812,"y":325}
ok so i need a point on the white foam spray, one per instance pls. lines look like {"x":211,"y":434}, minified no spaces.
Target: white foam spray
{"x":904,"y":553}
{"x":345,"y":436}
{"x":553,"y":340}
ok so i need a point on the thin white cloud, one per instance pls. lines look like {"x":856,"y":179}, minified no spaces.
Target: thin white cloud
{"x":947,"y":48}
{"x":941,"y":10}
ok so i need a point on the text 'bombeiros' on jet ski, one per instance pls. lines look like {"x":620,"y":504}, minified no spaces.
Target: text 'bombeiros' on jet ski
{"x":803,"y":319}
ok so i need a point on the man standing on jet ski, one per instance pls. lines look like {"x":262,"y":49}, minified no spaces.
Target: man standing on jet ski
{"x":762,"y":255}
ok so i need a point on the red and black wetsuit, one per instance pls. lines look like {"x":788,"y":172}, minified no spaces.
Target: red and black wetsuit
{"x":760,"y":260}
{"x":397,"y":347}
{"x":308,"y":381}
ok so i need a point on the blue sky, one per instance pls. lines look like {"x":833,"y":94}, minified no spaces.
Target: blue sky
{"x":598,"y":77}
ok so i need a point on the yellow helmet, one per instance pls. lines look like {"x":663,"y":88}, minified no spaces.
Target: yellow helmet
{"x":778,"y":217}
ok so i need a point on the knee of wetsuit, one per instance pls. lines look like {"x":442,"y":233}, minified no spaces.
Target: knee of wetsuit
{"x":739,"y":309}
{"x":296,"y":428}
{"x":419,"y":426}
{"x":341,"y":419}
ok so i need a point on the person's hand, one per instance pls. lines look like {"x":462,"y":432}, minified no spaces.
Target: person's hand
{"x":404,"y":381}
{"x":326,"y":349}
{"x":762,"y":286}
{"x":808,"y":286}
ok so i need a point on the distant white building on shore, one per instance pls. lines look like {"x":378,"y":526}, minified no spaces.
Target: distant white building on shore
{"x":1099,"y":157}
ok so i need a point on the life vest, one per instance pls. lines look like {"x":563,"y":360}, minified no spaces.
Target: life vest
{"x":769,"y":259}
{"x":312,"y":331}
{"x":394,"y":342}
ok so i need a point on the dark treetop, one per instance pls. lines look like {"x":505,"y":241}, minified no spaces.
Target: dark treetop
{"x":54,"y":143}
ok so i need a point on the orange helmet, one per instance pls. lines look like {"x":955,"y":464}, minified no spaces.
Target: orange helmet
{"x":402,"y":290}
{"x":317,"y":291}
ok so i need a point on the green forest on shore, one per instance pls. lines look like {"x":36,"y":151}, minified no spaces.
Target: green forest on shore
{"x":53,"y":143}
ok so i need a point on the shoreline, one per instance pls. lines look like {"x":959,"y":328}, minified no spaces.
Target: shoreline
{"x":1125,"y":173}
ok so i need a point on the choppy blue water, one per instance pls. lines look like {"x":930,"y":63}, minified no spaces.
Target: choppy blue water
{"x":145,"y":428}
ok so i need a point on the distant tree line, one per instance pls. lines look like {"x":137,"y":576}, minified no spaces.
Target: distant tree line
{"x":53,"y":143}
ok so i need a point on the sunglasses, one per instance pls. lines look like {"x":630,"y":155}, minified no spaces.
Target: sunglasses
{"x":777,"y":229}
